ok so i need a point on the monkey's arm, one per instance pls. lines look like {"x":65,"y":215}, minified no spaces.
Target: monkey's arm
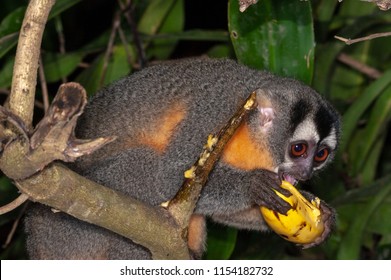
{"x":230,"y":191}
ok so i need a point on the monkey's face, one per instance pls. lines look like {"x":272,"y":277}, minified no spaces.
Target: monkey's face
{"x":311,"y":145}
{"x":301,"y":128}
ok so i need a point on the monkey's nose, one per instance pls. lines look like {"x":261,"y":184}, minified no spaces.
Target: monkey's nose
{"x":305,"y":174}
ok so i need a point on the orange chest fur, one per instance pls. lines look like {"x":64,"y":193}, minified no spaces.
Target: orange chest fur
{"x":243,"y":152}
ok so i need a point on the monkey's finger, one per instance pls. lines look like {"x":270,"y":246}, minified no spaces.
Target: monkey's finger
{"x":272,"y":201}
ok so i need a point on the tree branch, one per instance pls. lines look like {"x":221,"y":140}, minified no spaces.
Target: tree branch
{"x":102,"y":206}
{"x":22,"y":95}
{"x":183,"y":204}
{"x":53,"y":138}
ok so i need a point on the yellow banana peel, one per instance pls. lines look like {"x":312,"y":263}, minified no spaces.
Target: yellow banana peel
{"x":302,"y":223}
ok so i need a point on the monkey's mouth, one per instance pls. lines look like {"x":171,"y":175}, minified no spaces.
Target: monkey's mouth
{"x":286,"y":177}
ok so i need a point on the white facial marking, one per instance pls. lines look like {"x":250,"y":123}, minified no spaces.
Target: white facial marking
{"x":331,"y":140}
{"x":306,"y":131}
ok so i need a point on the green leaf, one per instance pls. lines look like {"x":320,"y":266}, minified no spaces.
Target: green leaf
{"x":6,"y":73}
{"x":58,"y":66}
{"x":274,"y":35}
{"x":118,"y":65}
{"x":91,"y":77}
{"x":221,"y":242}
{"x":369,"y":169}
{"x":12,"y":22}
{"x":324,"y":14}
{"x":354,"y":113}
{"x":173,"y":22}
{"x":9,"y":28}
{"x":221,"y":50}
{"x":376,"y":127}
{"x":95,"y":77}
{"x":154,"y":16}
{"x":351,"y":241}
{"x":326,"y":54}
{"x":380,"y":222}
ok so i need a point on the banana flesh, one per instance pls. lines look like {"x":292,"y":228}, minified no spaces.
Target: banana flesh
{"x":302,"y":224}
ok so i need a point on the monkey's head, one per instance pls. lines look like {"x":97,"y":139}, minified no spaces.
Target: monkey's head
{"x":301,"y":129}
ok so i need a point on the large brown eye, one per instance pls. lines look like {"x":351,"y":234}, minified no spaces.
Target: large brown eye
{"x":322,"y":155}
{"x":298,"y":149}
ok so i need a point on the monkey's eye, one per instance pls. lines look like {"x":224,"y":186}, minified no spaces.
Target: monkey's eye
{"x":322,"y":155}
{"x":298,"y":149}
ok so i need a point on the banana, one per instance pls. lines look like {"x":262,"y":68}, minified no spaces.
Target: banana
{"x":302,"y":224}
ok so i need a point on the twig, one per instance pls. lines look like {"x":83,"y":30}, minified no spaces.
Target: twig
{"x":61,"y":39}
{"x":4,"y":91}
{"x":126,"y":46}
{"x":15,"y":225}
{"x":369,"y":37}
{"x":8,"y":37}
{"x":110,"y":45}
{"x":383,"y":5}
{"x":18,"y":123}
{"x":14,"y":204}
{"x":127,"y":10}
{"x":361,"y":67}
{"x":44,"y":86}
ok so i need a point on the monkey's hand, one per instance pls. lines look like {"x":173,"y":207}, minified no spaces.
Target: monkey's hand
{"x":328,"y":217}
{"x":262,"y":190}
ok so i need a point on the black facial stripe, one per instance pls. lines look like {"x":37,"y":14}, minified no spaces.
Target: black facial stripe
{"x":324,"y":122}
{"x":299,"y":113}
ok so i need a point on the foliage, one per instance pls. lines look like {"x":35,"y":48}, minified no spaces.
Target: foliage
{"x":292,"y":38}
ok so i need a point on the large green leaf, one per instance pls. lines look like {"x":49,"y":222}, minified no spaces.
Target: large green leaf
{"x":274,"y":35}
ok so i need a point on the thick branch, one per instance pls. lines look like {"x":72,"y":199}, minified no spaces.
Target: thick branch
{"x":24,"y":80}
{"x":102,"y":206}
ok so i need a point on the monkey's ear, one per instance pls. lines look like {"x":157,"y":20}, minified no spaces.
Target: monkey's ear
{"x":265,"y":110}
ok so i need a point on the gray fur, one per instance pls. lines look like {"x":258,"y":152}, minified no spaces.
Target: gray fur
{"x":212,"y":90}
